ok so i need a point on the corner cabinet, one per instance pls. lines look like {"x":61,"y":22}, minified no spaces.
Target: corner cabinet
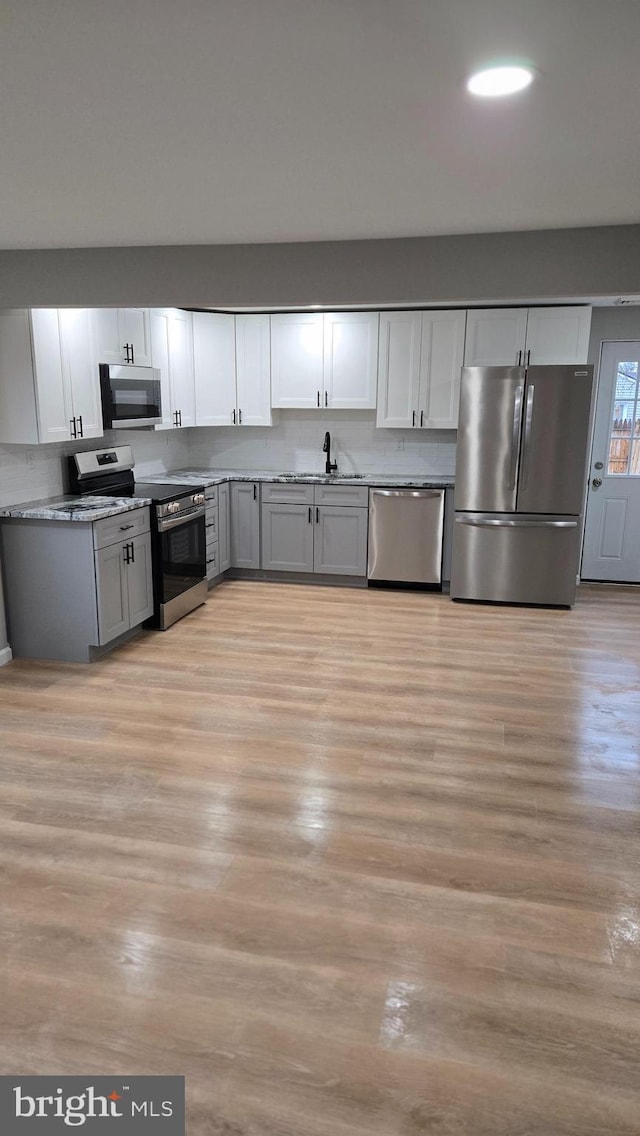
{"x":123,"y":335}
{"x":517,"y":336}
{"x":325,"y":361}
{"x":74,"y":588}
{"x":420,"y":360}
{"x":49,"y":378}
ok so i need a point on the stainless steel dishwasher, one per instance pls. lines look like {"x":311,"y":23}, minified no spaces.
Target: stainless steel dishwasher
{"x":405,"y":535}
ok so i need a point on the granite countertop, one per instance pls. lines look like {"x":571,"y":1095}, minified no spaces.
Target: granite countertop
{"x":218,"y":476}
{"x":73,"y":508}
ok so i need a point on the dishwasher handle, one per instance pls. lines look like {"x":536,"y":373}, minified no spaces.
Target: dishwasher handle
{"x":424,"y":493}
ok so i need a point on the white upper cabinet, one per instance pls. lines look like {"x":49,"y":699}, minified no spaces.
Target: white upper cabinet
{"x":172,"y":353}
{"x":419,"y":370}
{"x":253,"y":370}
{"x":350,"y":360}
{"x":123,"y":335}
{"x":232,"y":369}
{"x":214,"y":361}
{"x":516,"y":336}
{"x":324,"y":360}
{"x":296,"y":360}
{"x":49,"y":380}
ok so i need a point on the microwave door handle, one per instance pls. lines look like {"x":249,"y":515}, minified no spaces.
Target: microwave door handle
{"x":526,"y":444}
{"x":515,"y":436}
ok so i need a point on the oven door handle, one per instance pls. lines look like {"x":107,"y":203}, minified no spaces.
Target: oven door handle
{"x":167,"y":523}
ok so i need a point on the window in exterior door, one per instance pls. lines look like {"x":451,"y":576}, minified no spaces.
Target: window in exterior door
{"x":624,"y":435}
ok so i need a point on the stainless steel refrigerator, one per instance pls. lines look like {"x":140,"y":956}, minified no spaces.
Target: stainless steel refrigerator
{"x":520,"y":480}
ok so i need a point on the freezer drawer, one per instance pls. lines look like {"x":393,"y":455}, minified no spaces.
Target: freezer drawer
{"x":405,"y":535}
{"x":520,"y":558}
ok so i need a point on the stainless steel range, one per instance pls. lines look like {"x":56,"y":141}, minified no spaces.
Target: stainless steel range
{"x":178,"y":539}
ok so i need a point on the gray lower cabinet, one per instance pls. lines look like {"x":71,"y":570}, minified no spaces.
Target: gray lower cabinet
{"x":224,"y":542}
{"x":340,"y":541}
{"x":245,"y":524}
{"x":287,"y":537}
{"x":124,"y":590}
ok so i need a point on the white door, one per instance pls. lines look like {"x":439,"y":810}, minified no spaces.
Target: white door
{"x":399,"y":369}
{"x":80,"y":361}
{"x":350,"y":360}
{"x":181,"y":366}
{"x":253,"y":370}
{"x":558,"y":335}
{"x":159,"y":330}
{"x":214,"y":364}
{"x":296,"y":361}
{"x":495,"y":337}
{"x":135,"y":331}
{"x":612,"y":532}
{"x":55,"y":413}
{"x":108,"y":335}
{"x":441,"y":358}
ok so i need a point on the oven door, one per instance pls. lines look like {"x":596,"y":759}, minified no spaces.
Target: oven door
{"x":130,"y":396}
{"x":182,"y":554}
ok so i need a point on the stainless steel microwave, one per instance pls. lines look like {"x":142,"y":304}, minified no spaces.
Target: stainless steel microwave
{"x":131,"y":396}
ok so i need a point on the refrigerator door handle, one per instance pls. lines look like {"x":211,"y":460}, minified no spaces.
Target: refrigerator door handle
{"x":515,"y":436}
{"x":528,"y":420}
{"x":495,"y":522}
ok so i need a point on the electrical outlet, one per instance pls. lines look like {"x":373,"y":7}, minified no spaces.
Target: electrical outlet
{"x":400,"y":444}
{"x":30,"y":459}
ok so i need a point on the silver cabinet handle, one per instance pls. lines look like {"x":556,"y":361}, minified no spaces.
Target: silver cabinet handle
{"x":528,"y":420}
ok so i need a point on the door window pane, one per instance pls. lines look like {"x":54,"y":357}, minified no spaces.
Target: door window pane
{"x":624,"y":454}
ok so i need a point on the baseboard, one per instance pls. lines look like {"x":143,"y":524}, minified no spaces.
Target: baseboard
{"x":5,"y":656}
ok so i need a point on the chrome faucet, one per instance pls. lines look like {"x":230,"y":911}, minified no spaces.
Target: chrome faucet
{"x":330,"y":467}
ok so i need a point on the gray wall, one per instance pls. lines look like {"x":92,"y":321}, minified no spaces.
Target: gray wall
{"x":489,"y":267}
{"x":612,"y":324}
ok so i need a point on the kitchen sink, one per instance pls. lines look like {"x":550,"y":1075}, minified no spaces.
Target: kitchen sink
{"x":321,"y":476}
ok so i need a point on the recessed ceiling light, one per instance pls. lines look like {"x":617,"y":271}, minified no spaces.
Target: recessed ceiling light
{"x":495,"y":81}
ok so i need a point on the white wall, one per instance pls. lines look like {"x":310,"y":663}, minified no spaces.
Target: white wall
{"x":295,"y":440}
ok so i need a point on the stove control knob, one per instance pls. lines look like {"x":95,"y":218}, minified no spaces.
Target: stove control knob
{"x":173,"y":507}
{"x":198,"y":498}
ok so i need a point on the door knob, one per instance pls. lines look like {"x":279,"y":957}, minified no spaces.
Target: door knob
{"x":597,"y":482}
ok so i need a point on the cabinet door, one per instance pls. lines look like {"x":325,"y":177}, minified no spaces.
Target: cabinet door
{"x":80,"y":361}
{"x":53,"y":391}
{"x":495,"y":337}
{"x":224,"y":543}
{"x":181,"y":366}
{"x":558,"y":335}
{"x":253,"y":370}
{"x":108,"y":335}
{"x":441,"y":358}
{"x":245,"y":524}
{"x":287,"y":538}
{"x":296,"y":360}
{"x":399,"y":369}
{"x":159,"y":330}
{"x":350,"y":360}
{"x":135,"y":330}
{"x":112,"y":592}
{"x":139,"y":580}
{"x":340,"y":542}
{"x":214,"y":364}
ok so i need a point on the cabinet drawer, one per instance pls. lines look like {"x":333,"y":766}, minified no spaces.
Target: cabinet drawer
{"x":211,"y":495}
{"x":211,"y":524}
{"x":342,"y":495}
{"x":212,"y":560}
{"x":288,"y":493}
{"x":125,"y":526}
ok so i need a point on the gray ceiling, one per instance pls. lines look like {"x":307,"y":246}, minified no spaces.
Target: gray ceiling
{"x":205,"y":121}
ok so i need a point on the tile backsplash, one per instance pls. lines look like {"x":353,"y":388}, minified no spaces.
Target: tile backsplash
{"x":295,"y":440}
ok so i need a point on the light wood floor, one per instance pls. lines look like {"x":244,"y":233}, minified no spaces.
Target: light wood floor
{"x":353,"y":862}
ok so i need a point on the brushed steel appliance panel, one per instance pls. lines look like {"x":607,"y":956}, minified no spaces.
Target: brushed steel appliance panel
{"x":405,"y":535}
{"x":489,"y":431}
{"x":182,"y":604}
{"x":517,"y":558}
{"x":555,"y":436}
